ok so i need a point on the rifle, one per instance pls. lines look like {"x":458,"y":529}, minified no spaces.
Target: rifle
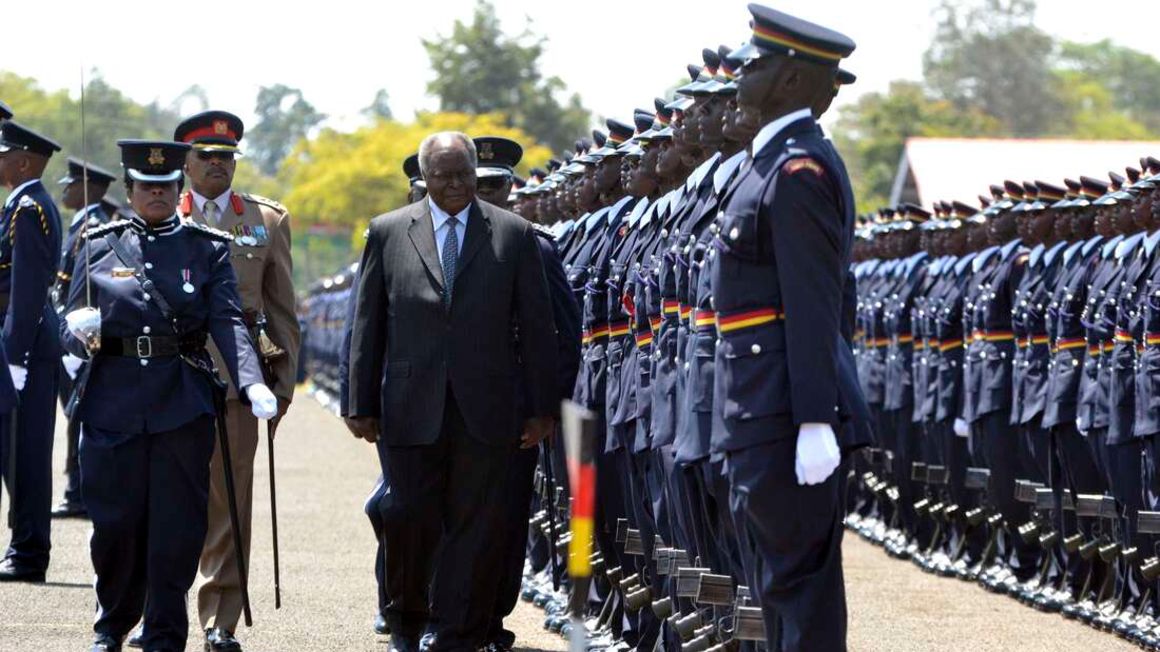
{"x":550,"y":494}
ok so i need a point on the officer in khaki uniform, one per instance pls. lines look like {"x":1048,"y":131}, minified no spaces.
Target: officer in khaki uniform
{"x":261,"y":259}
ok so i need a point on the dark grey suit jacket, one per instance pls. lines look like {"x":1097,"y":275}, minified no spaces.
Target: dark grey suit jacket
{"x":406,"y":348}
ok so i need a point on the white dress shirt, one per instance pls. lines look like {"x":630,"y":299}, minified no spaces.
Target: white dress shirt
{"x":439,"y":219}
{"x":767,"y":133}
{"x":222,"y":201}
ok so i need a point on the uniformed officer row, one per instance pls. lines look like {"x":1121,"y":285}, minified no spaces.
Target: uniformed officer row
{"x":709,"y":245}
{"x":151,"y":302}
{"x":1008,"y":354}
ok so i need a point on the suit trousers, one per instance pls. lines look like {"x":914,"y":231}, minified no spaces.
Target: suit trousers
{"x":219,"y":595}
{"x":794,"y":536}
{"x":446,"y":506}
{"x":512,"y":538}
{"x":35,"y":422}
{"x":146,"y":494}
{"x":373,"y":508}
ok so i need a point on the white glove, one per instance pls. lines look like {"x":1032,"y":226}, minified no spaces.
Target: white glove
{"x":19,"y":376}
{"x":1080,"y":429}
{"x":84,"y":323}
{"x":72,"y":364}
{"x":262,"y":401}
{"x":817,"y":453}
{"x":961,"y":429}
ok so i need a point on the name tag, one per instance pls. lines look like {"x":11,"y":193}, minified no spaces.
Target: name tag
{"x":123,"y":272}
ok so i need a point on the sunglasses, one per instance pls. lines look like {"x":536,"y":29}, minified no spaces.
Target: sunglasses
{"x":221,"y":156}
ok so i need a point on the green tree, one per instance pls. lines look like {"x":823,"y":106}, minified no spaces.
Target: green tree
{"x":344,"y":179}
{"x":990,"y":56}
{"x":872,"y":133}
{"x":1131,"y":77}
{"x":108,"y":116}
{"x":284,"y":118}
{"x":1092,"y":112}
{"x":480,"y":69}
{"x":192,"y":100}
{"x":380,"y":107}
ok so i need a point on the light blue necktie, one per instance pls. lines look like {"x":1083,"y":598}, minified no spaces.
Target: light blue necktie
{"x":450,"y":258}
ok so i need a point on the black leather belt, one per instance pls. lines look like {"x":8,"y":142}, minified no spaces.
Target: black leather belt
{"x":156,"y":346}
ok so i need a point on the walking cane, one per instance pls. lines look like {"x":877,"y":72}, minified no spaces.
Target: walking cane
{"x":232,"y":499}
{"x":271,"y":426}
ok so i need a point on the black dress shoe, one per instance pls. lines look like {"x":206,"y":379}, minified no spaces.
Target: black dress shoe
{"x":381,"y":627}
{"x":105,"y":644}
{"x":13,"y":572}
{"x":69,"y":509}
{"x":400,"y":643}
{"x":219,"y":640}
{"x":137,"y":638}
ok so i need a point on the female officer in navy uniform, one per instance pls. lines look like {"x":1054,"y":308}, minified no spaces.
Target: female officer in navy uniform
{"x":159,"y":287}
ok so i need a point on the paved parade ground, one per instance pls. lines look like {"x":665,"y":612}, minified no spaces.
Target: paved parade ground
{"x":328,"y":591}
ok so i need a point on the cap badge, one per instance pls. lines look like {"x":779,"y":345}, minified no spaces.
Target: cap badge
{"x":485,"y":152}
{"x":220,"y":127}
{"x":156,"y":156}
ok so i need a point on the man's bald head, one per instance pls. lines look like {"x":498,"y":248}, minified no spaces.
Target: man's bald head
{"x":447,"y":162}
{"x":443,"y":141}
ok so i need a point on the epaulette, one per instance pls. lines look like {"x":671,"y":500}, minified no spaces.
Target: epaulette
{"x":212,"y":234}
{"x":26,"y":201}
{"x":265,"y":201}
{"x":800,"y":163}
{"x":109,"y":227}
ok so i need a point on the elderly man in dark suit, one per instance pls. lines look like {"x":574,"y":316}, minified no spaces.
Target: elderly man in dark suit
{"x":452,"y":310}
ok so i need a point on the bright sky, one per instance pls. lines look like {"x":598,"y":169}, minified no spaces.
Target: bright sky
{"x":617,"y":54}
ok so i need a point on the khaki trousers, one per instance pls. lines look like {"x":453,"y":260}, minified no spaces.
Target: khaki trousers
{"x":219,"y":596}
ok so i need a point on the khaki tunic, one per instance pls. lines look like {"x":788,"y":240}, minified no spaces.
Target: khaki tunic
{"x":264,"y":277}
